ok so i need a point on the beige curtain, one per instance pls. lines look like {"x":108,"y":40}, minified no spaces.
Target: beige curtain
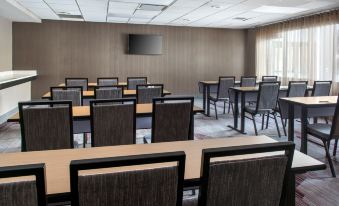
{"x":301,"y":49}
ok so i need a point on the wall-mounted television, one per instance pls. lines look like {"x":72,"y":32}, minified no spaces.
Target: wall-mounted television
{"x":144,"y":44}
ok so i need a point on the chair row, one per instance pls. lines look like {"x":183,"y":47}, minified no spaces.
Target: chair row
{"x":49,"y":124}
{"x":144,"y":93}
{"x":222,"y":180}
{"x":132,"y":82}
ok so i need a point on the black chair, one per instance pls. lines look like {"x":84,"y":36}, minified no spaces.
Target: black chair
{"x":269,"y":78}
{"x":151,"y":186}
{"x":295,"y":89}
{"x":108,"y":92}
{"x":76,"y":82}
{"x":246,"y":181}
{"x":146,"y":92}
{"x":75,"y":94}
{"x":107,"y":81}
{"x":225,"y":83}
{"x":172,"y":119}
{"x":132,"y":82}
{"x":46,"y":125}
{"x":30,"y":192}
{"x":326,"y":133}
{"x":113,"y":122}
{"x":266,"y":103}
{"x":248,"y":81}
{"x":321,"y":88}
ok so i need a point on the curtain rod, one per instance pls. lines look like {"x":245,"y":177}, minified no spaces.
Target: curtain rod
{"x":298,"y":17}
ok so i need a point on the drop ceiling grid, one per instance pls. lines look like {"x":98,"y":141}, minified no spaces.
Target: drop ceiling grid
{"x":194,"y":13}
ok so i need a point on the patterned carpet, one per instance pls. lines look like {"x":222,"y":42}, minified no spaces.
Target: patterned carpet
{"x":313,"y":188}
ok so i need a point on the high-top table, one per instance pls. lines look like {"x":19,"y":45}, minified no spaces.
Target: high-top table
{"x":307,"y":107}
{"x":58,"y":161}
{"x":89,"y":94}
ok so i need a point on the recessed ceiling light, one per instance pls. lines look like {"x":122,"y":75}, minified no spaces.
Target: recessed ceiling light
{"x":279,"y":9}
{"x":215,"y":6}
{"x":241,"y":18}
{"x":152,"y":7}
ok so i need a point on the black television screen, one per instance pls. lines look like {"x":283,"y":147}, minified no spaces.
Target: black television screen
{"x":144,"y":44}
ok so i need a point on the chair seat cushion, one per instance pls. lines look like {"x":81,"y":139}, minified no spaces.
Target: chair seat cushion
{"x":190,"y":201}
{"x":252,"y":110}
{"x":321,"y":131}
{"x":215,"y":98}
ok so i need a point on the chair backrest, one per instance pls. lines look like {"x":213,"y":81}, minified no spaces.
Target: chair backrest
{"x":146,"y":186}
{"x":269,"y":78}
{"x":146,"y":93}
{"x":108,"y":92}
{"x":67,"y":93}
{"x":112,"y":123}
{"x":248,"y":81}
{"x":335,"y":122}
{"x":268,"y":95}
{"x":46,"y":125}
{"x":321,"y":88}
{"x":297,"y":88}
{"x":107,"y":81}
{"x":246,"y":181}
{"x":172,"y":119}
{"x":225,"y":83}
{"x":28,"y":192}
{"x":76,"y":82}
{"x":132,"y":82}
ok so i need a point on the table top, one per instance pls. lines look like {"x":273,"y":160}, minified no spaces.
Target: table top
{"x":256,"y":88}
{"x":94,"y":84}
{"x":87,"y":94}
{"x":83,"y":112}
{"x":57,"y":161}
{"x":312,"y":101}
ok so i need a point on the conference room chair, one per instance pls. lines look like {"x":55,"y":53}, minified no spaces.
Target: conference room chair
{"x":107,"y":81}
{"x":295,"y":89}
{"x":225,"y":83}
{"x":245,"y":181}
{"x":269,"y":78}
{"x":29,"y":191}
{"x":248,"y":81}
{"x":132,"y":82}
{"x":113,"y":122}
{"x":46,"y":125}
{"x":67,"y":93}
{"x":77,"y":82}
{"x":158,"y":183}
{"x":266,"y":103}
{"x":172,"y":119}
{"x":146,"y":92}
{"x":108,"y":92}
{"x":326,"y":133}
{"x":321,"y":88}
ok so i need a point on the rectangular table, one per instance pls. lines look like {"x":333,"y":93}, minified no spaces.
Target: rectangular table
{"x":83,"y":112}
{"x":57,"y":161}
{"x":310,"y":107}
{"x":94,"y":84}
{"x":90,"y":94}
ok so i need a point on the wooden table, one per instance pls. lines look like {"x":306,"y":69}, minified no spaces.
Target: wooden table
{"x":90,"y":94}
{"x":240,"y":92}
{"x":57,"y":161}
{"x":324,"y":106}
{"x":83,"y":112}
{"x":94,"y":84}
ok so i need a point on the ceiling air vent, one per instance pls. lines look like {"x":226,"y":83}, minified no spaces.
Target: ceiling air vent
{"x":241,"y":18}
{"x":152,"y":7}
{"x":66,"y":16}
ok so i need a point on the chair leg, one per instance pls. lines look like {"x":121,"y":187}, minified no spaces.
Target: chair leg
{"x":335,"y":147}
{"x":84,"y":140}
{"x":329,"y":159}
{"x":224,"y":107}
{"x":255,"y":125}
{"x":262,"y":121}
{"x":229,"y":107}
{"x":268,"y":119}
{"x":276,"y":124}
{"x":215,"y":109}
{"x":283,"y":125}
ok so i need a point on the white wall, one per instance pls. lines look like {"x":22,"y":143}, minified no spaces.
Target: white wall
{"x":5,"y":44}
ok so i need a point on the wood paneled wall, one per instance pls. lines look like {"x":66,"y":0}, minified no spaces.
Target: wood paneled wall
{"x":59,"y":49}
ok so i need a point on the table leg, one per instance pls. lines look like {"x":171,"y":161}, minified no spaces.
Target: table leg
{"x":303,"y":147}
{"x":290,"y":122}
{"x":242,"y":126}
{"x":288,"y":196}
{"x":204,"y":97}
{"x":236,"y":113}
{"x":208,"y":100}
